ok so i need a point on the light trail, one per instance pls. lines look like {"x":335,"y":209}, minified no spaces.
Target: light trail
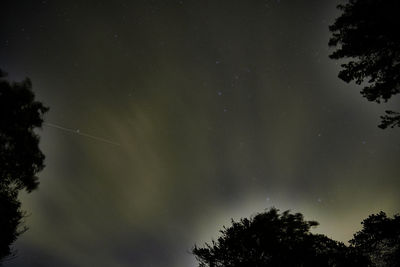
{"x":78,"y":132}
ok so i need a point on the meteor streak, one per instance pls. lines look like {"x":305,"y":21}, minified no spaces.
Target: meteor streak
{"x":78,"y":132}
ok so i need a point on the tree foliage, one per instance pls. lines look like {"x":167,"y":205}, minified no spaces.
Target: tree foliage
{"x":379,"y":240}
{"x":20,"y":156}
{"x":10,"y":221}
{"x":273,"y":239}
{"x":366,"y":33}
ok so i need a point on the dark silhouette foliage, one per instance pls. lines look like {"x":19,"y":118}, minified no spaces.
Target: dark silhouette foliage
{"x":20,"y":156}
{"x":367,"y":34}
{"x":379,"y":240}
{"x":273,"y":239}
{"x":10,"y":221}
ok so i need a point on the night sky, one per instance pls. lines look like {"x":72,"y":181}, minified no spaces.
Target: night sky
{"x":169,"y":118}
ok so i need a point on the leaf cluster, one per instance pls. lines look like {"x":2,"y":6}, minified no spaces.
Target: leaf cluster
{"x":366,"y":34}
{"x":379,"y":240}
{"x":20,"y":156}
{"x":273,"y":239}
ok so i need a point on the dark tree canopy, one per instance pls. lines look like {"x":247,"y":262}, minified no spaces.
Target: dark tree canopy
{"x":20,"y":156}
{"x":367,"y":34}
{"x":10,"y":221}
{"x":273,"y":239}
{"x":379,"y":240}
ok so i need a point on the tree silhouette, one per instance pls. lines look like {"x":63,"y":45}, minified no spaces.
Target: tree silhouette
{"x":367,"y":34}
{"x":10,"y":221}
{"x":379,"y":240}
{"x":20,"y":156}
{"x":273,"y":239}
